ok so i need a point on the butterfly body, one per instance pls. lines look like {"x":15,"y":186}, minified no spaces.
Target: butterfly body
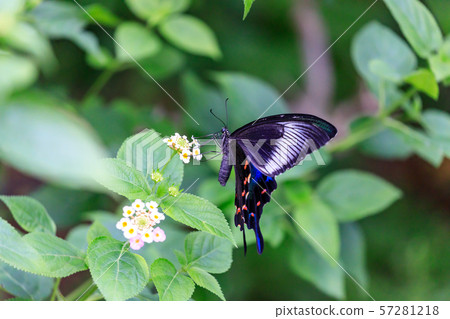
{"x":261,"y":150}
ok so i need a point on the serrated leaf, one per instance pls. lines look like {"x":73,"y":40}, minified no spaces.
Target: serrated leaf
{"x":417,"y":24}
{"x":60,"y":257}
{"x":190,"y":34}
{"x":197,"y":213}
{"x":170,"y":283}
{"x":135,"y":41}
{"x":123,"y":179}
{"x":424,"y":81}
{"x":29,"y":214}
{"x":181,"y":257}
{"x":353,"y":194}
{"x":97,"y":230}
{"x":318,"y":226}
{"x":118,"y":274}
{"x":24,"y":285}
{"x":206,"y":280}
{"x":309,"y":265}
{"x":77,"y":236}
{"x":208,"y":252}
{"x":15,"y":251}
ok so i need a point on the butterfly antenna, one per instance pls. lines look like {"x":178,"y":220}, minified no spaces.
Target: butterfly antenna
{"x":217,"y":117}
{"x":226,"y":110}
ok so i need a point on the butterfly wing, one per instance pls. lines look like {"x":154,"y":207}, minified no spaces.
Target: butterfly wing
{"x":264,"y":149}
{"x":253,"y":190}
{"x":276,"y":143}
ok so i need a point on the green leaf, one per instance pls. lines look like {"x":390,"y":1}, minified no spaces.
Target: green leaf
{"x":77,"y":236}
{"x":15,"y":251}
{"x":97,"y":230}
{"x":197,"y":213}
{"x":247,"y":7}
{"x":135,"y":42}
{"x":353,"y":194}
{"x":123,"y":179}
{"x":62,"y":20}
{"x":309,"y":265}
{"x":206,"y":280}
{"x":208,"y":252}
{"x":102,"y":15}
{"x":375,"y":42}
{"x":119,"y":274}
{"x":60,"y":257}
{"x":16,"y":73}
{"x":24,"y":285}
{"x":437,"y":123}
{"x":385,"y":144}
{"x":440,"y":63}
{"x":154,"y":11}
{"x":170,"y":283}
{"x":26,"y":38}
{"x":422,"y":145}
{"x":424,"y":81}
{"x":191,"y":35}
{"x":197,"y":95}
{"x":318,"y":226}
{"x":417,"y":24}
{"x":353,"y":252}
{"x":55,"y":145}
{"x":165,"y":63}
{"x":29,"y":214}
{"x":256,"y":95}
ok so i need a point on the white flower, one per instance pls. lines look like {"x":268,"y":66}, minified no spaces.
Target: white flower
{"x":147,"y":237}
{"x":185,"y":156}
{"x":138,"y":204}
{"x":130,"y":231}
{"x":194,"y":142}
{"x":128,"y":211}
{"x":157,"y":217}
{"x":196,"y":153}
{"x":123,"y":223}
{"x":152,"y":205}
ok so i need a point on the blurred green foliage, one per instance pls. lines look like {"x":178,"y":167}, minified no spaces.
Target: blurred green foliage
{"x":77,"y":80}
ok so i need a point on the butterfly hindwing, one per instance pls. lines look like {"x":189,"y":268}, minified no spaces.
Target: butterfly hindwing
{"x":253,"y":190}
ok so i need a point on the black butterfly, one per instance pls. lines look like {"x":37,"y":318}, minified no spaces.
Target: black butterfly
{"x":261,"y":150}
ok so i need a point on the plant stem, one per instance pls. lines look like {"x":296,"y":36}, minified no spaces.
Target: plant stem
{"x":354,"y":139}
{"x":100,"y":82}
{"x":396,"y":104}
{"x":165,"y":165}
{"x":55,"y":289}
{"x":79,"y":290}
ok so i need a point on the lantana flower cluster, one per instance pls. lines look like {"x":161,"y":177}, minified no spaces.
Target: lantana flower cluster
{"x":138,"y":224}
{"x":184,"y":148}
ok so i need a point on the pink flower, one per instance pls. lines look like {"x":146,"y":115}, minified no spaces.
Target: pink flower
{"x":136,"y":243}
{"x":159,"y":235}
